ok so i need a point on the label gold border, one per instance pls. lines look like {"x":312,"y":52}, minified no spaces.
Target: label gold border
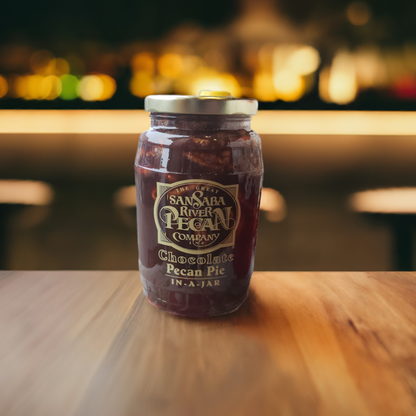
{"x":161,"y":237}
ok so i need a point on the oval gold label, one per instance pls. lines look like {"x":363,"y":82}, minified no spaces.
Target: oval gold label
{"x":196,"y":216}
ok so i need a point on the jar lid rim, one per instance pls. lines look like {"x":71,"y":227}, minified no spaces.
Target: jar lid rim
{"x":203,"y":104}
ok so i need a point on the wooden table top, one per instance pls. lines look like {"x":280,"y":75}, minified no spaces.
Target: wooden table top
{"x":88,"y":343}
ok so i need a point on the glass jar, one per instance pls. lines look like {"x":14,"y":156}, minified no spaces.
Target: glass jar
{"x":199,"y":172}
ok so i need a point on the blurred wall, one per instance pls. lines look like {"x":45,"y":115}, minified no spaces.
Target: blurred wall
{"x":316,"y":160}
{"x":83,"y":229}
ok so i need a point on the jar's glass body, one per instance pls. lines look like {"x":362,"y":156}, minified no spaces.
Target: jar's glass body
{"x":198,"y":185}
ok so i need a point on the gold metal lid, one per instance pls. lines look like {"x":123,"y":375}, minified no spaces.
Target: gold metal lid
{"x":207,"y":102}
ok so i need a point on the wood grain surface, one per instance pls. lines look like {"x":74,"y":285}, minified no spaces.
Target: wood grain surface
{"x":88,"y":343}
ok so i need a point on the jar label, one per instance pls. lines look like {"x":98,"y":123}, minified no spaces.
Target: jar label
{"x":196,"y":216}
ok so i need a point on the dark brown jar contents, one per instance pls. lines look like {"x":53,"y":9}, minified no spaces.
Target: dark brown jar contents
{"x":198,"y":180}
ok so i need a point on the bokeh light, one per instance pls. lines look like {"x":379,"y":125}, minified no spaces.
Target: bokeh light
{"x":69,"y":85}
{"x":34,"y":87}
{"x":263,"y":86}
{"x":405,"y":87}
{"x":50,"y":87}
{"x":391,"y":200}
{"x":358,"y":13}
{"x":211,"y":80}
{"x":19,"y":87}
{"x":324,"y":84}
{"x":273,"y":203}
{"x":281,"y":55}
{"x":143,"y":62}
{"x":25,"y":192}
{"x":288,"y":85}
{"x":304,"y":60}
{"x":342,"y":84}
{"x":96,"y":87}
{"x":292,"y":66}
{"x":125,"y":197}
{"x":170,"y":65}
{"x":338,"y":83}
{"x":109,"y":87}
{"x":270,"y":70}
{"x":90,"y":88}
{"x":142,"y":84}
{"x":3,"y":86}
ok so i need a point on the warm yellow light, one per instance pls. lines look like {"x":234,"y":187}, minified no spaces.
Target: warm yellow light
{"x":19,"y":87}
{"x":388,"y":201}
{"x":324,"y":84}
{"x":142,"y":84}
{"x":170,"y":65}
{"x":3,"y":86}
{"x":25,"y":192}
{"x":390,"y":124}
{"x":342,"y":85}
{"x":185,"y":83}
{"x":50,"y":88}
{"x":109,"y":87}
{"x":282,"y":54}
{"x":291,"y":64}
{"x":211,"y":94}
{"x":274,"y":204}
{"x":125,"y":197}
{"x":34,"y":87}
{"x":216,"y":82}
{"x":358,"y":13}
{"x":143,"y":62}
{"x":263,"y":88}
{"x":304,"y":60}
{"x":90,"y":88}
{"x":288,"y":85}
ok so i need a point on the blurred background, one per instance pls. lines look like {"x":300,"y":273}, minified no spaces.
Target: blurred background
{"x":336,"y":84}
